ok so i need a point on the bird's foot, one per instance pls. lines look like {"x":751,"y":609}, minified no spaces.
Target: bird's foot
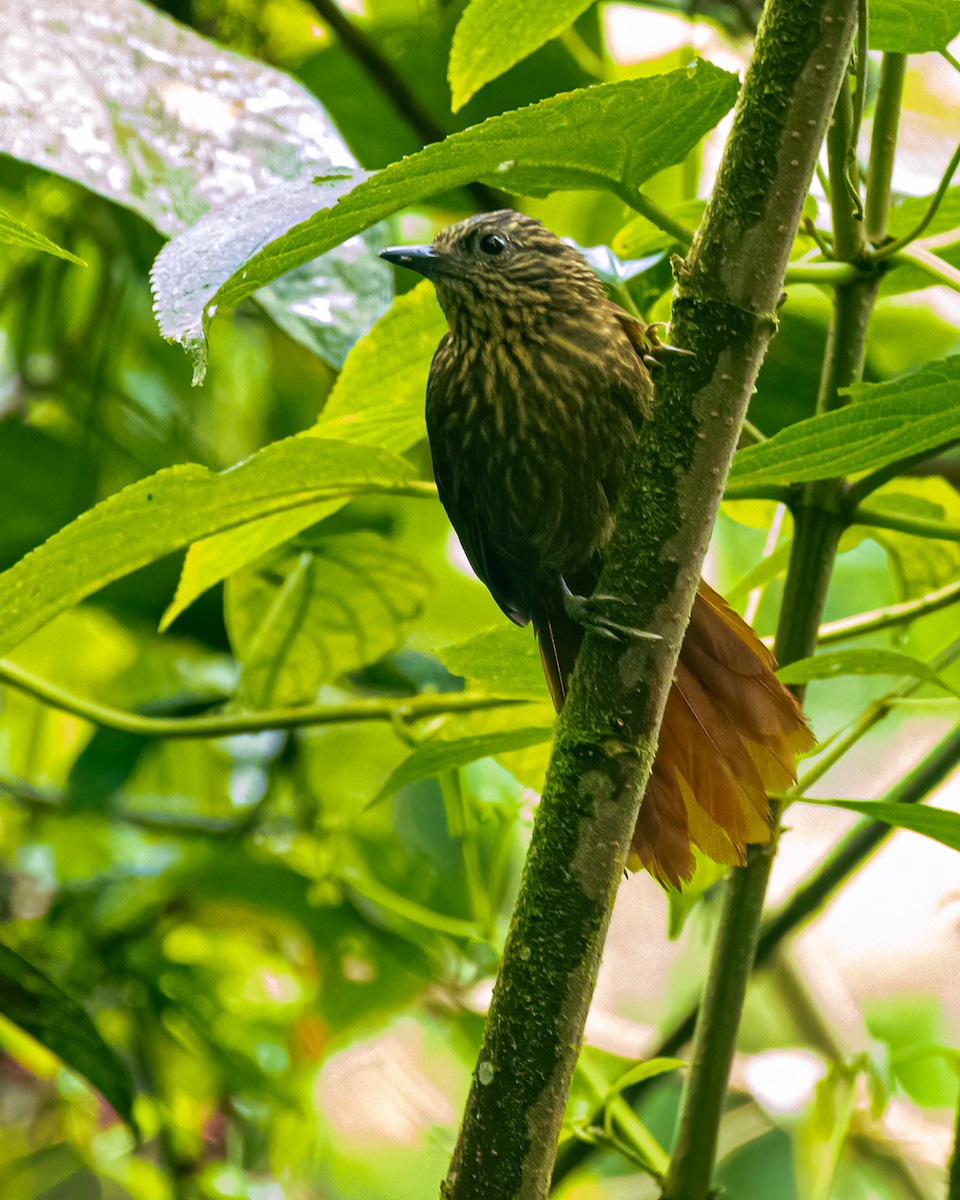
{"x":656,"y":348}
{"x":590,"y":612}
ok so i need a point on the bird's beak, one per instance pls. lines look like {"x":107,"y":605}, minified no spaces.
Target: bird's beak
{"x":422,"y":259}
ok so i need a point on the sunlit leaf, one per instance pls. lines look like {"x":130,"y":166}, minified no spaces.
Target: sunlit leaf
{"x":493,"y":35}
{"x":936,"y":823}
{"x":503,"y":661}
{"x":885,"y":422}
{"x":644,"y":1070}
{"x":379,"y":395}
{"x":377,"y":400}
{"x":638,"y":127}
{"x":15,"y":233}
{"x":38,"y":1006}
{"x":440,"y":754}
{"x":859,"y":662}
{"x":913,"y":26}
{"x":305,"y":615}
{"x":918,"y":564}
{"x":167,"y":511}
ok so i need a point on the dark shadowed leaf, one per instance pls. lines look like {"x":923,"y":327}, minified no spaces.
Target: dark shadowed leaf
{"x":35,"y":1003}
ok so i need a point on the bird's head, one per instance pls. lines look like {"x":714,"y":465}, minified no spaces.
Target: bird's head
{"x":500,"y":270}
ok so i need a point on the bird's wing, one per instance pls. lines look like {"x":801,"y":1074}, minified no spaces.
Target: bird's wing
{"x":491,"y":569}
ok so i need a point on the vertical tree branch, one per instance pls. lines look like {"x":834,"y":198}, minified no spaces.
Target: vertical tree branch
{"x":725,"y":313}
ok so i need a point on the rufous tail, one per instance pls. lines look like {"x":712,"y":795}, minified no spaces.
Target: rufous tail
{"x":731,"y":733}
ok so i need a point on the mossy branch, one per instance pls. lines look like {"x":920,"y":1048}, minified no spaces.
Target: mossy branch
{"x":724,"y":312}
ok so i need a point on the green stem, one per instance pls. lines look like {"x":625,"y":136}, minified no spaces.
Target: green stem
{"x":819,"y":521}
{"x":781,"y":495}
{"x":885,"y":618}
{"x":822,"y":272}
{"x":953,"y":1183}
{"x":945,"y":531}
{"x":918,"y":229}
{"x":936,"y":267}
{"x":704,"y":1098}
{"x":867,"y":484}
{"x":658,"y":216}
{"x":883,"y":146}
{"x":407,"y":710}
{"x":848,"y":241}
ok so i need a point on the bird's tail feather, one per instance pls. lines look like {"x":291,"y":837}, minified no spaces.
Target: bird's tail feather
{"x":731,"y":732}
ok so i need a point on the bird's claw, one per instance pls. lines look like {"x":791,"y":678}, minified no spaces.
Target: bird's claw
{"x":588,"y":612}
{"x":656,"y":347}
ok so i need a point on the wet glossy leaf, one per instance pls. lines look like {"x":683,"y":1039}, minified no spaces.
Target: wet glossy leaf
{"x":147,"y":113}
{"x":638,"y":126}
{"x":493,"y":35}
{"x":42,"y":1009}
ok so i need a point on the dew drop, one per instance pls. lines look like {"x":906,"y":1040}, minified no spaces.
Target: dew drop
{"x":506,"y":166}
{"x":484,"y":1072}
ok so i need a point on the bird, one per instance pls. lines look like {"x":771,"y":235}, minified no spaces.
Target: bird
{"x":535,"y":400}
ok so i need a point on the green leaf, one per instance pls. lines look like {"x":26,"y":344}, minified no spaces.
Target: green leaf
{"x":494,"y":35}
{"x":637,"y":128}
{"x":35,"y":1003}
{"x":189,"y":271}
{"x":913,"y":26}
{"x":859,"y":662}
{"x":406,"y":909}
{"x":919,"y":564}
{"x":503,"y":661}
{"x":305,"y":616}
{"x":430,"y":758}
{"x":15,"y":233}
{"x":886,"y":422}
{"x":377,"y":400}
{"x":178,"y":505}
{"x":936,"y":823}
{"x":379,"y":395}
{"x":176,"y":126}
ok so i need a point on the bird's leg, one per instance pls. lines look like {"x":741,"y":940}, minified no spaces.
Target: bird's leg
{"x":588,"y":611}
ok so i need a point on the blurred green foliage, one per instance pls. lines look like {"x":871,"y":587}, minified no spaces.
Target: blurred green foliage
{"x":281,"y":940}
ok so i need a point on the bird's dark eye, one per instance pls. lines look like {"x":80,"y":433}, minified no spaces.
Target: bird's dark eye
{"x":492,"y":243}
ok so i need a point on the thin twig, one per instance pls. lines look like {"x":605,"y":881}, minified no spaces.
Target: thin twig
{"x":933,"y":264}
{"x":886,"y":618}
{"x":917,"y":526}
{"x":408,"y":709}
{"x":937,"y":199}
{"x":385,"y":76}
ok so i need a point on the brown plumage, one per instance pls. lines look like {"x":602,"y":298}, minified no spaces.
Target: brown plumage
{"x":534,"y":403}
